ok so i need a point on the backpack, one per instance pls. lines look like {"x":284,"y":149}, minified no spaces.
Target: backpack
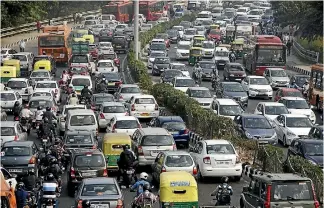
{"x":129,"y":158}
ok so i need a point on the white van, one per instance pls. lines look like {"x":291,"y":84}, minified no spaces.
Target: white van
{"x":221,"y":57}
{"x":204,"y":15}
{"x":81,"y":119}
{"x":79,"y":81}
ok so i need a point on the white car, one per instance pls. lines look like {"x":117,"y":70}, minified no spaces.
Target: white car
{"x":270,"y":110}
{"x":216,"y":158}
{"x":257,"y":86}
{"x":189,"y":33}
{"x":242,"y":11}
{"x":183,"y":83}
{"x":79,"y":81}
{"x":106,"y":66}
{"x":22,"y":86}
{"x":6,"y":53}
{"x":291,"y":126}
{"x":123,"y":124}
{"x":183,"y":49}
{"x":226,"y":107}
{"x":297,"y":105}
{"x":107,"y":110}
{"x":120,"y":27}
{"x":181,"y":67}
{"x":146,"y":27}
{"x":200,"y":30}
{"x":208,"y":49}
{"x":180,"y":29}
{"x":255,"y":13}
{"x":126,"y":91}
{"x":49,"y":85}
{"x":202,"y":95}
{"x":9,"y":177}
{"x":44,"y":93}
{"x":61,"y":117}
{"x":105,"y":47}
{"x":277,"y":77}
{"x":8,"y":99}
{"x":143,"y":106}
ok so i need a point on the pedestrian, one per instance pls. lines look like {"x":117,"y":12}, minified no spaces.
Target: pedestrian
{"x":74,"y":18}
{"x":22,"y":45}
{"x":289,"y":45}
{"x":38,"y":25}
{"x":49,"y":22}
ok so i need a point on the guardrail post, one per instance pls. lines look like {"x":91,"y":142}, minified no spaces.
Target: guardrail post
{"x":317,"y":57}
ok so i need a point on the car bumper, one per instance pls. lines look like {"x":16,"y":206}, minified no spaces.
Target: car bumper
{"x":260,"y":94}
{"x":218,"y":172}
{"x":235,"y":79}
{"x":18,"y":170}
{"x":145,"y":161}
{"x":208,"y":55}
{"x":103,"y":123}
{"x":276,"y":85}
{"x":137,"y":114}
{"x":182,"y":57}
{"x":181,"y":138}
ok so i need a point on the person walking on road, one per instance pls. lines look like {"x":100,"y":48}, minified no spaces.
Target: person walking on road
{"x":289,"y":45}
{"x":22,"y":45}
{"x":38,"y":25}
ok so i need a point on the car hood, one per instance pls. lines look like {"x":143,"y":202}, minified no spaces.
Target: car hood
{"x":188,"y":36}
{"x":261,"y":132}
{"x":318,"y":159}
{"x":306,"y":112}
{"x":203,"y":100}
{"x":237,"y":72}
{"x":231,"y":117}
{"x":263,"y":87}
{"x":235,"y":94}
{"x":182,"y":51}
{"x":299,"y":131}
{"x":280,"y":79}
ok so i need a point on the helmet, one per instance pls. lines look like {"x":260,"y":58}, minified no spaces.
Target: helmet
{"x":50,"y":176}
{"x":70,"y":85}
{"x":31,"y":171}
{"x":86,"y":204}
{"x":73,"y":95}
{"x":144,"y":176}
{"x":147,"y":187}
{"x":39,"y":108}
{"x":20,"y":185}
{"x":26,"y":106}
{"x":48,"y":109}
{"x":86,"y":86}
{"x":45,"y":120}
{"x":224,"y":179}
{"x":126,"y":146}
{"x":17,"y":103}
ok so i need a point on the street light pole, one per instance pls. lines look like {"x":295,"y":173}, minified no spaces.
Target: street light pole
{"x":136,"y":26}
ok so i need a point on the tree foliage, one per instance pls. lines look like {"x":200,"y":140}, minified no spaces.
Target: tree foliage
{"x":15,"y":13}
{"x":306,"y":15}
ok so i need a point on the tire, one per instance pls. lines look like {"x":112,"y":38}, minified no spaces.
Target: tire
{"x":71,"y":190}
{"x":237,"y":178}
{"x":200,"y":177}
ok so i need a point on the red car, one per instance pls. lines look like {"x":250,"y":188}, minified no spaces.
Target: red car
{"x":215,"y":34}
{"x":93,"y":51}
{"x":287,"y":92}
{"x":110,"y":56}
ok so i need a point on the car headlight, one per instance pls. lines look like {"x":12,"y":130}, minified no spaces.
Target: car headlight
{"x":243,"y":98}
{"x":311,"y":161}
{"x":291,"y":134}
{"x":231,"y":75}
{"x":248,"y":135}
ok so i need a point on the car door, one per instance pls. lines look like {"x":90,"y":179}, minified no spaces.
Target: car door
{"x":135,"y":139}
{"x":279,"y":125}
{"x":252,"y":197}
{"x":245,"y":83}
{"x":258,"y":109}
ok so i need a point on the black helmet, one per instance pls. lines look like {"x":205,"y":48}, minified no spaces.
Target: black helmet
{"x":17,"y":103}
{"x":73,"y":95}
{"x":53,"y":160}
{"x":50,"y":176}
{"x":86,"y":204}
{"x":147,"y":187}
{"x":225,"y":179}
{"x":31,"y":171}
{"x":48,"y":109}
{"x":39,"y":108}
{"x":45,"y":120}
{"x":86,"y":86}
{"x":126,"y":146}
{"x":20,"y":185}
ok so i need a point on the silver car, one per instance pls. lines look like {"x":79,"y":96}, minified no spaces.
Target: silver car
{"x":126,"y":91}
{"x":39,"y":75}
{"x":12,"y":131}
{"x":96,"y":28}
{"x":8,"y":99}
{"x":108,"y":110}
{"x":61,"y":117}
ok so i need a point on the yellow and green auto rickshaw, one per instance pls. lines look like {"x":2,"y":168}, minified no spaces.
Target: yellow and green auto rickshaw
{"x":178,"y":189}
{"x":7,"y":72}
{"x":89,"y":38}
{"x":198,"y":42}
{"x":195,"y":55}
{"x":44,"y":65}
{"x":230,"y":30}
{"x":15,"y":63}
{"x":237,"y":45}
{"x":112,"y":146}
{"x":78,"y":35}
{"x":214,"y":27}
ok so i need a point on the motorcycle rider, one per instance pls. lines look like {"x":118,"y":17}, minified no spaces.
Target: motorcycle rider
{"x":49,"y":188}
{"x":26,"y":113}
{"x":86,"y":92}
{"x":198,"y":73}
{"x":16,"y":109}
{"x":293,"y":85}
{"x":223,"y":186}
{"x":65,"y":77}
{"x":70,"y":90}
{"x":232,"y":56}
{"x":55,"y":169}
{"x":29,"y":180}
{"x":126,"y":160}
{"x":49,"y":115}
{"x":47,"y":129}
{"x":138,"y":186}
{"x":39,"y":113}
{"x":21,"y":195}
{"x":102,"y":87}
{"x":74,"y":100}
{"x":86,"y":204}
{"x":146,"y":196}
{"x":305,"y":88}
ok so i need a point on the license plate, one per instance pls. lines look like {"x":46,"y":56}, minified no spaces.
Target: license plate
{"x":145,"y":114}
{"x":222,"y":163}
{"x":49,"y":206}
{"x":118,"y":46}
{"x":175,"y":132}
{"x":15,"y":170}
{"x":221,"y":64}
{"x":111,"y":84}
{"x":88,"y":174}
{"x":129,"y":172}
{"x":44,"y":140}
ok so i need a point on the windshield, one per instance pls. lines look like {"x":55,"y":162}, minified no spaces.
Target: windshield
{"x":153,"y":55}
{"x":217,"y":10}
{"x":100,"y":99}
{"x":183,"y":47}
{"x":220,"y":149}
{"x":172,"y":73}
{"x":105,"y":45}
{"x":42,"y":103}
{"x":46,"y":85}
{"x":109,"y":56}
{"x":82,"y":120}
{"x":179,"y":67}
{"x":80,"y":82}
{"x":66,"y":110}
{"x":114,"y":109}
{"x":297,"y":104}
{"x":98,"y":26}
{"x":298,"y":122}
{"x":162,"y":36}
{"x":51,"y":41}
{"x":190,"y":32}
{"x":229,"y":14}
{"x":196,"y":51}
{"x":236,"y":68}
{"x":39,"y":74}
{"x":172,"y":33}
{"x":37,"y":94}
{"x":99,"y":190}
{"x":105,"y":64}
{"x":230,"y":110}
{"x":270,"y":55}
{"x":121,"y":26}
{"x":278,"y":73}
{"x":275,"y":110}
{"x":221,"y":54}
{"x":178,"y":14}
{"x":144,"y":101}
{"x":16,"y":151}
{"x":258,"y":81}
{"x":130,"y":90}
{"x":314,"y":149}
{"x":127,"y":124}
{"x":7,"y":96}
{"x":8,"y":131}
{"x":208,"y":45}
{"x":293,"y":94}
{"x":233,"y":88}
{"x":185,"y":83}
{"x":90,"y":160}
{"x":257,"y":123}
{"x":162,"y":60}
{"x":200,"y":94}
{"x":158,"y":47}
{"x":178,"y":161}
{"x":108,"y":17}
{"x":241,"y":10}
{"x":157,"y":140}
{"x":78,"y":139}
{"x":215,"y":32}
{"x":295,"y":190}
{"x":254,"y":13}
{"x":174,"y":126}
{"x":79,"y":59}
{"x":16,"y":84}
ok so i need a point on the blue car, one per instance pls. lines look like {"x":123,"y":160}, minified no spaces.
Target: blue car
{"x":175,"y":125}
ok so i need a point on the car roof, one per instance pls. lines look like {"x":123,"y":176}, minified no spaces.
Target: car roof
{"x":292,"y":98}
{"x":234,"y":64}
{"x":154,"y":131}
{"x":286,"y":89}
{"x":51,"y":81}
{"x":178,"y":152}
{"x":7,"y":91}
{"x":18,"y":144}
{"x":80,"y":76}
{"x":170,"y":118}
{"x":206,"y":62}
{"x":257,"y":77}
{"x":272,"y":69}
{"x":247,"y":115}
{"x":198,"y":88}
{"x":280,"y":177}
{"x":73,"y":106}
{"x":99,"y":180}
{"x":178,"y":64}
{"x":125,"y":118}
{"x":8,"y":123}
{"x":183,"y":77}
{"x":271,"y":104}
{"x":216,"y":141}
{"x":41,"y":98}
{"x":237,"y":83}
{"x":42,"y":90}
{"x":226,"y":101}
{"x":143,"y":96}
{"x":295,"y":115}
{"x":104,"y":60}
{"x":81,"y":112}
{"x":184,"y":43}
{"x":112,"y":104}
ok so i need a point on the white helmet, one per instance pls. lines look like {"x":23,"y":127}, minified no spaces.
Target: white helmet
{"x":70,"y":85}
{"x":144,"y":176}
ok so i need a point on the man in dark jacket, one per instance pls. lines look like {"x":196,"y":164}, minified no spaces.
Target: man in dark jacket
{"x":47,"y":129}
{"x":289,"y":45}
{"x":16,"y":109}
{"x":30,"y":180}
{"x":49,"y":115}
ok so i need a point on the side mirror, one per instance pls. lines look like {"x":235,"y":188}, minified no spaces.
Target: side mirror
{"x":215,"y":111}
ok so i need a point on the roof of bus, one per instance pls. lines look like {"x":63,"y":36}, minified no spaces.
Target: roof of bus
{"x":267,"y":39}
{"x":318,"y":67}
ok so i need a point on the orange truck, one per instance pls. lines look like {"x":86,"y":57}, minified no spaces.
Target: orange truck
{"x":8,"y":197}
{"x":316,"y":86}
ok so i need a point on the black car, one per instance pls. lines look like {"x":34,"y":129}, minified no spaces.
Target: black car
{"x":120,"y":43}
{"x":85,"y":163}
{"x":99,"y":98}
{"x":129,"y":31}
{"x":157,"y":47}
{"x":160,"y":64}
{"x":207,"y":67}
{"x":299,"y":79}
{"x":233,"y":90}
{"x":168,"y":75}
{"x":114,"y":80}
{"x":316,"y":132}
{"x":79,"y":140}
{"x":106,"y":35}
{"x":174,"y":36}
{"x":234,"y":72}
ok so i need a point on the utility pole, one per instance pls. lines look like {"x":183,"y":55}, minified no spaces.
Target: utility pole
{"x":136,"y":26}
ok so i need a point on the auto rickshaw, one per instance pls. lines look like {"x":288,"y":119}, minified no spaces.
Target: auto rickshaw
{"x":112,"y":146}
{"x":237,"y":45}
{"x":178,"y":189}
{"x":43,"y":64}
{"x":7,"y":72}
{"x":195,"y":55}
{"x":214,"y":27}
{"x":15,"y":63}
{"x":197,"y":42}
{"x":229,"y":35}
{"x":89,"y":38}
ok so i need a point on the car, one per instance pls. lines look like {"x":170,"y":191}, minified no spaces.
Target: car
{"x":90,"y":23}
{"x":40,"y":75}
{"x":107,"y":110}
{"x":44,"y":93}
{"x":126,"y":91}
{"x":171,"y":161}
{"x":22,"y":86}
{"x":113,"y":79}
{"x":216,"y":158}
{"x":242,"y":11}
{"x":202,"y":95}
{"x":43,"y":101}
{"x":83,"y":61}
{"x":257,"y":86}
{"x":26,"y":61}
{"x":234,"y":72}
{"x":291,"y":126}
{"x":207,"y":68}
{"x":105,"y":47}
{"x":160,"y":65}
{"x":214,"y":35}
{"x":299,"y":79}
{"x":208,"y":49}
{"x":163,"y":19}
{"x":182,"y":50}
{"x":186,"y":24}
{"x":123,"y":124}
{"x":175,"y":125}
{"x":146,"y":27}
{"x":221,"y":57}
{"x":62,"y":116}
{"x":270,"y":110}
{"x":110,"y":56}
{"x":297,"y":105}
{"x":77,"y":119}
{"x":173,"y":36}
{"x":120,"y":27}
{"x":233,"y":90}
{"x":256,"y":127}
{"x":316,"y":132}
{"x":8,"y":100}
{"x":287,"y":92}
{"x":181,"y":67}
{"x":19,"y":157}
{"x":45,"y":57}
{"x":100,"y":190}
{"x":120,"y":43}
{"x":183,"y":83}
{"x":277,"y":77}
{"x":106,"y":66}
{"x":152,"y":57}
{"x":80,"y":161}
{"x":99,"y":98}
{"x":79,"y":140}
{"x":165,"y":37}
{"x":255,"y":13}
{"x":7,"y":53}
{"x":158,"y":46}
{"x":188,"y":34}
{"x":168,"y":75}
{"x":79,"y":81}
{"x":277,"y":189}
{"x":226,"y":107}
{"x":106,"y":35}
{"x":180,"y":30}
{"x":143,"y":106}
{"x":12,"y":131}
{"x":147,"y":143}
{"x":50,"y":85}
{"x":96,"y":29}
{"x":9,"y":177}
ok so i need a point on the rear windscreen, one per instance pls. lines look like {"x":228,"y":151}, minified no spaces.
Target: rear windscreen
{"x":78,"y":139}
{"x":178,"y":161}
{"x":157,"y":140}
{"x":291,"y":190}
{"x":89,"y":160}
{"x":144,"y":101}
{"x":114,"y":109}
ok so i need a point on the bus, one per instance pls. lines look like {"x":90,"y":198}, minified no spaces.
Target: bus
{"x":152,"y":10}
{"x":123,"y":10}
{"x":56,"y":41}
{"x":316,"y":86}
{"x":267,"y":51}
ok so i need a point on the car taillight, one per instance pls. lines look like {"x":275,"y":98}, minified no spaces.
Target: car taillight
{"x":105,"y":173}
{"x":156,"y":107}
{"x":113,"y":128}
{"x":140,"y":150}
{"x":17,"y":118}
{"x":94,"y":147}
{"x":80,"y":204}
{"x":118,"y":83}
{"x":72,"y":173}
{"x":316,"y":203}
{"x":238,"y":160}
{"x":102,"y":116}
{"x":206,"y":160}
{"x":32,"y":160}
{"x":116,"y":61}
{"x":174,"y":147}
{"x":268,"y":197}
{"x":194,"y":171}
{"x":119,"y":203}
{"x":163,"y":169}
{"x":16,"y":138}
{"x":133,"y":108}
{"x":186,"y":131}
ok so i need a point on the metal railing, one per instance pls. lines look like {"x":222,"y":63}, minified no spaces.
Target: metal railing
{"x":311,"y":56}
{"x":11,"y":31}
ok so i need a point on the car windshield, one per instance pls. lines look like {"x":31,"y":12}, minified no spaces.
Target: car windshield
{"x":154,"y":55}
{"x":114,"y":109}
{"x":109,"y":56}
{"x":157,"y":140}
{"x":173,"y":73}
{"x":178,"y":67}
{"x":295,"y":190}
{"x":298,"y":122}
{"x":185,"y":24}
{"x":89,"y":160}
{"x":162,"y":36}
{"x":162,"y":60}
{"x":7,"y":96}
{"x":144,"y":101}
{"x":172,"y":33}
{"x":233,"y":88}
{"x":19,"y":57}
{"x":111,"y":76}
{"x":314,"y":149}
{"x":99,"y":190}
{"x":254,"y":13}
{"x":105,"y":64}
{"x":79,"y":59}
{"x":102,"y":99}
{"x":39,"y":74}
{"x":82,"y":120}
{"x":190,"y":32}
{"x":178,"y":14}
{"x":183,"y":47}
{"x":301,"y":80}
{"x":121,"y":26}
{"x":178,"y":161}
{"x":221,"y":54}
{"x":230,"y":110}
{"x":80,"y":82}
{"x":105,"y":45}
{"x":241,"y":10}
{"x":46,"y":85}
{"x":78,"y":139}
{"x":42,"y":103}
{"x":220,"y":149}
{"x":37,"y":94}
{"x":258,"y":81}
{"x":297,"y":104}
{"x":130,"y":90}
{"x":278,"y":73}
{"x":158,"y":47}
{"x":126,"y":124}
{"x":229,"y":14}
{"x":8,"y":131}
{"x":174,"y":126}
{"x":200,"y":28}
{"x":236,"y":68}
{"x":200,"y":94}
{"x":275,"y":110}
{"x":296,"y":93}
{"x":209,"y":45}
{"x":16,"y":151}
{"x":16,"y":84}
{"x":257,"y":123}
{"x":185,"y":83}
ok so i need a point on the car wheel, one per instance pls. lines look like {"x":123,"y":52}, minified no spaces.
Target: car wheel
{"x":71,"y":190}
{"x":237,"y":178}
{"x":200,"y":177}
{"x":241,"y":203}
{"x":284,"y":141}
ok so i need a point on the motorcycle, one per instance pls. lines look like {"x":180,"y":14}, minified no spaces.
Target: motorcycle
{"x":25,"y":124}
{"x":48,"y":203}
{"x":31,"y":200}
{"x":223,"y":197}
{"x":129,"y":177}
